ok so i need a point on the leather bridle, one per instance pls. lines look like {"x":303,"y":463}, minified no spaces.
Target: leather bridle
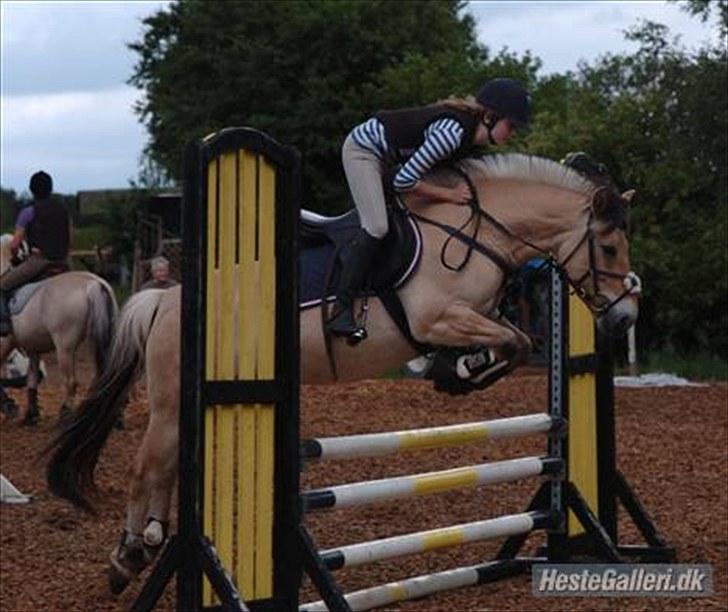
{"x":597,"y":302}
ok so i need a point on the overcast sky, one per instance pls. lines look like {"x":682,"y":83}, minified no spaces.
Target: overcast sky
{"x":66,"y":108}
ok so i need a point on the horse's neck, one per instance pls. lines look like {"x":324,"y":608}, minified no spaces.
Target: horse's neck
{"x":539,"y":214}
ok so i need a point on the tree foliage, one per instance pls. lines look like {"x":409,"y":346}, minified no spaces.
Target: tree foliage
{"x":304,"y":71}
{"x":659,"y":120}
{"x":308,"y":71}
{"x":704,"y":10}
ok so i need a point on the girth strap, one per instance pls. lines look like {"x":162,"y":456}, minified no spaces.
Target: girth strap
{"x":393,"y":306}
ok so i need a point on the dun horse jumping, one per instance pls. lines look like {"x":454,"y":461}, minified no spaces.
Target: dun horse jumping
{"x":524,"y":207}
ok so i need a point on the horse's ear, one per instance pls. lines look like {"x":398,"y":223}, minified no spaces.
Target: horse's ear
{"x":601,"y":203}
{"x":628,"y":195}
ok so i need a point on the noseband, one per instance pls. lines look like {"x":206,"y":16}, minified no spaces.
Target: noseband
{"x":599,"y":303}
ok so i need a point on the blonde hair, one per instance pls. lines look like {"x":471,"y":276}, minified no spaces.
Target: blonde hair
{"x":468,"y":104}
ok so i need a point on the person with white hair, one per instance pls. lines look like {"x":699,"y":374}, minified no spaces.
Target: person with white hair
{"x":160,"y":275}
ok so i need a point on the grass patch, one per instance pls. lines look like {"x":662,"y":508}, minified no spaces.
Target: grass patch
{"x":693,"y":367}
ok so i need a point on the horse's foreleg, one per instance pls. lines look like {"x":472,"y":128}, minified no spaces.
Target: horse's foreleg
{"x":7,"y":344}
{"x":32,"y":414}
{"x":150,"y":497}
{"x":520,"y":347}
{"x":7,"y":403}
{"x":460,"y":325}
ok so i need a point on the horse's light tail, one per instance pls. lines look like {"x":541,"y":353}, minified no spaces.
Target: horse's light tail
{"x":75,"y":451}
{"x":102,"y":316}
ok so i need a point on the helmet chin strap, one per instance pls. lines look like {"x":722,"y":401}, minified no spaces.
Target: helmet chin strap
{"x":489,"y":125}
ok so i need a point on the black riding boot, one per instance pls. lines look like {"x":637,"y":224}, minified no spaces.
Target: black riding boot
{"x":4,"y":313}
{"x":356,"y":261}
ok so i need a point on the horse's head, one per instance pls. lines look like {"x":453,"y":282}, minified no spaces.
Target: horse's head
{"x":5,"y":253}
{"x":570,"y":212}
{"x":598,"y":266}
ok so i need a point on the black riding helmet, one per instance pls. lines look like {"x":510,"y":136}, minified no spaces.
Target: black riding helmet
{"x":507,"y":98}
{"x":41,"y":185}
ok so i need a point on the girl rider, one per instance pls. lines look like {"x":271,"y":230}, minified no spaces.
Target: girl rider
{"x":417,"y":138}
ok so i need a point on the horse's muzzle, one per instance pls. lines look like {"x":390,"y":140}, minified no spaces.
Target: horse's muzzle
{"x":621,"y":313}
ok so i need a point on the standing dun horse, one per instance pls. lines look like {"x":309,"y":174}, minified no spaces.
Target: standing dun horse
{"x":61,"y":314}
{"x":524,"y":207}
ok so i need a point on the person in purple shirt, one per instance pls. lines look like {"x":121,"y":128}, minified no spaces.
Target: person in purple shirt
{"x":46,"y":226}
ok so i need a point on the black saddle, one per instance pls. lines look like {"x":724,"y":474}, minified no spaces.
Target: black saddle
{"x":323,"y":239}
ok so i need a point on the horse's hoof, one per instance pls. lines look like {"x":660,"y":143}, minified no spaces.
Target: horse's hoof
{"x":117,"y":581}
{"x":119,"y":576}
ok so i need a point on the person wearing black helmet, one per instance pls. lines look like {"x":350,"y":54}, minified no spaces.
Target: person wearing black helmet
{"x":45,"y":224}
{"x":415,"y":139}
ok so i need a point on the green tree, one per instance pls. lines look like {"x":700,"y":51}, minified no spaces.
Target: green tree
{"x":659,"y":120}
{"x":8,"y":209}
{"x":704,"y":10}
{"x":304,"y":71}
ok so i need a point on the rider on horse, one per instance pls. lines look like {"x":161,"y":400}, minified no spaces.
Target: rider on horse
{"x":417,"y":139}
{"x":45,"y":224}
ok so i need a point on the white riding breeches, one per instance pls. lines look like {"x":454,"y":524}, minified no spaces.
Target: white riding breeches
{"x":364,"y":173}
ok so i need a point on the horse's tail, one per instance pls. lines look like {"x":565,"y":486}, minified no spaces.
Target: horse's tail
{"x":75,"y":451}
{"x":102,"y":315}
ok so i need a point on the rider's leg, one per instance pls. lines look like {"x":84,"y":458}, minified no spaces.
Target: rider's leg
{"x":15,"y":277}
{"x":356,"y":261}
{"x":364,"y":174}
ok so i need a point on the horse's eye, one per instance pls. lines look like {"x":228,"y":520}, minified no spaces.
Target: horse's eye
{"x":609,"y":250}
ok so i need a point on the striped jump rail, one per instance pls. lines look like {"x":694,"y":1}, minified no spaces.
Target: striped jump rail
{"x":414,"y":485}
{"x":387,"y":443}
{"x":429,"y":584}
{"x":424,"y":541}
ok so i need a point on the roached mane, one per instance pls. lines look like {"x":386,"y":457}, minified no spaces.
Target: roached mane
{"x":529,"y":168}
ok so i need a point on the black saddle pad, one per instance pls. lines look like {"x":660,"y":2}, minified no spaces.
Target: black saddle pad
{"x":323,"y":237}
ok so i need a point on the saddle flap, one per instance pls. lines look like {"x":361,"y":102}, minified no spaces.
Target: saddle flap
{"x":22,"y":296}
{"x":392,"y":266}
{"x":317,"y":229}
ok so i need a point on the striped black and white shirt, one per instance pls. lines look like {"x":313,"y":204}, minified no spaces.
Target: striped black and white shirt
{"x":442,"y":139}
